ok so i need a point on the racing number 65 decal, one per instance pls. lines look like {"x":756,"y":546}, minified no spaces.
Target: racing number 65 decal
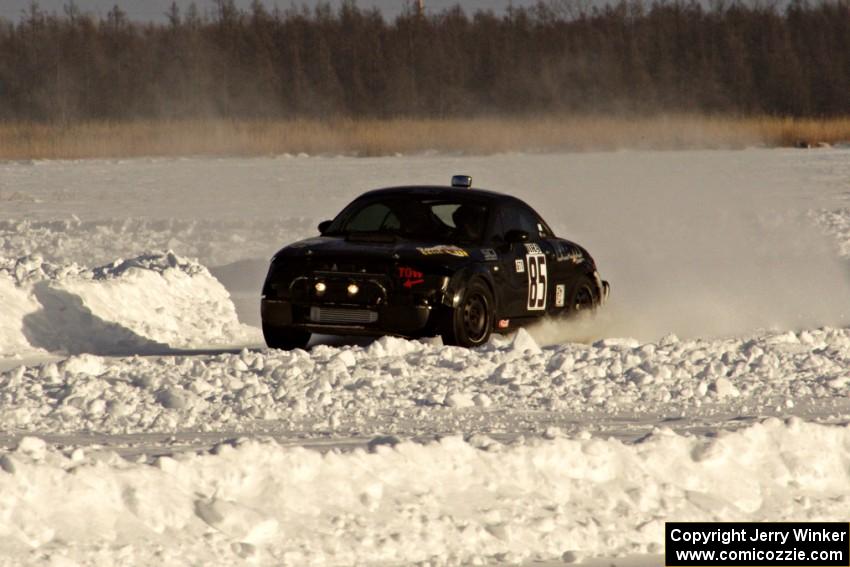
{"x":536,"y":268}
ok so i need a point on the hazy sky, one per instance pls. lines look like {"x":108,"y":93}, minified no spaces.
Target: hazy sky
{"x":155,"y":9}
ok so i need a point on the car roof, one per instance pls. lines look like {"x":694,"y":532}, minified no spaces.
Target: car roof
{"x":439,"y":191}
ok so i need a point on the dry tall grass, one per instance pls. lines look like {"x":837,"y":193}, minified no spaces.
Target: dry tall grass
{"x":386,"y":137}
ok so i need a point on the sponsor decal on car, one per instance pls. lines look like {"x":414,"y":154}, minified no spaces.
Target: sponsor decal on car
{"x":444,"y":249}
{"x":559,"y":295}
{"x":489,"y":254}
{"x":564,"y":253}
{"x":533,"y":248}
{"x":410,"y":276}
{"x":520,"y":266}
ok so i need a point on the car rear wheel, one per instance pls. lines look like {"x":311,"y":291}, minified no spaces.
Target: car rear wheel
{"x":471,"y":322}
{"x":286,"y":338}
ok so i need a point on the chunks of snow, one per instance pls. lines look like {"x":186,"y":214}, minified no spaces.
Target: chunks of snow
{"x":724,"y":388}
{"x":524,"y":343}
{"x":416,"y":386}
{"x":238,"y":522}
{"x":460,"y":400}
{"x":32,"y":447}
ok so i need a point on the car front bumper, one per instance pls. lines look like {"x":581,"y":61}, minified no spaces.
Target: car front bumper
{"x":335,"y":319}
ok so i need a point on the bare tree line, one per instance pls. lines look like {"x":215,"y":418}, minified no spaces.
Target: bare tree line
{"x":559,"y":56}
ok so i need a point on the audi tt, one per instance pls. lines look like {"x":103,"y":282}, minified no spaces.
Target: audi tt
{"x":416,"y":261}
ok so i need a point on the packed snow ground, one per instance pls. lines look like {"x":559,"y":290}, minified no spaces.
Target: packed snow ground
{"x":124,"y":371}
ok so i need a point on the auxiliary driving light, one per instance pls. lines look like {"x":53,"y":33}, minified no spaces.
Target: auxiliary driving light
{"x":321,"y":287}
{"x":353,"y":289}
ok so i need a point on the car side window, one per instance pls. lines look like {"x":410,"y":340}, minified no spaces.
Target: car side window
{"x":373,"y":218}
{"x":444,"y":212}
{"x":542,"y":229}
{"x":521,"y":218}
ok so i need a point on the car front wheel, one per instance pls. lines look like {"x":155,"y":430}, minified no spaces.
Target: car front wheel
{"x":471,"y":322}
{"x":584,"y":298}
{"x":286,"y":338}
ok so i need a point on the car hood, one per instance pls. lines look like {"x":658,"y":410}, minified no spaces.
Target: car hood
{"x":416,"y":252}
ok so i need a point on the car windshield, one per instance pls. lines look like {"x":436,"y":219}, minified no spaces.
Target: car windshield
{"x":444,"y":220}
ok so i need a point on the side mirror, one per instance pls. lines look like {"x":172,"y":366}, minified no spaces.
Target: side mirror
{"x":323,"y":226}
{"x":516,"y":236}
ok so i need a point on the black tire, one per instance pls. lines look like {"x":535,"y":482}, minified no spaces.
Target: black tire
{"x":471,"y":322}
{"x":285,"y":338}
{"x":585,"y":297}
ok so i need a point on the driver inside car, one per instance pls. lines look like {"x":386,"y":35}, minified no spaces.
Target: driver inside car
{"x":469,"y":222}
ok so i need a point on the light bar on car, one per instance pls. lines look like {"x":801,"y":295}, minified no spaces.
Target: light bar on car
{"x":464,"y":181}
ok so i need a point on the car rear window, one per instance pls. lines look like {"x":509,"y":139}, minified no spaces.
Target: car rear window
{"x":430,"y":219}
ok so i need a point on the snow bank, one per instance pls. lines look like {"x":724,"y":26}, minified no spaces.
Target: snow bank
{"x":421,"y":388}
{"x":16,"y":303}
{"x":449,"y":502}
{"x":146,"y":304}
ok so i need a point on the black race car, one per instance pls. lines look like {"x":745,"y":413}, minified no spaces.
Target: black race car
{"x":422,"y":261}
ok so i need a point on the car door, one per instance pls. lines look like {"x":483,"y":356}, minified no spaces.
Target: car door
{"x":525,"y":265}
